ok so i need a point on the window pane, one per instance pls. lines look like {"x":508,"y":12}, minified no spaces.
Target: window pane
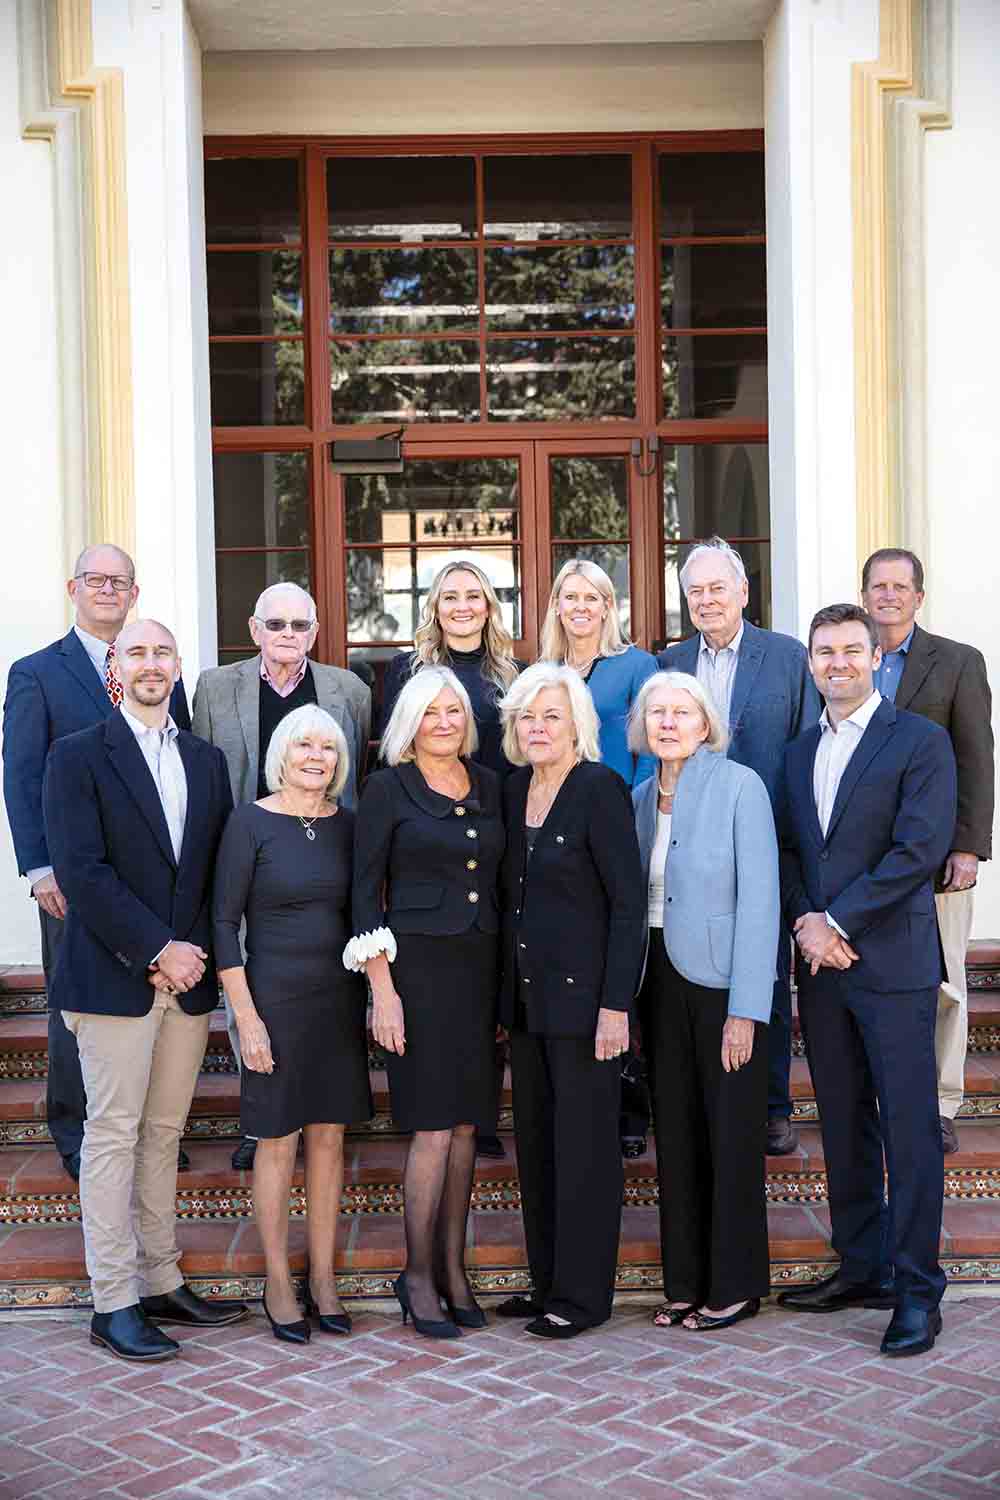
{"x":386,"y":587}
{"x":261,"y":499}
{"x":712,"y":193}
{"x":589,"y":496}
{"x":713,"y":286}
{"x":435,"y":499}
{"x":716,"y":489}
{"x":715,"y":376}
{"x":558,"y":197}
{"x":251,"y":200}
{"x":251,"y":293}
{"x":401,"y":197}
{"x":241,"y":577}
{"x":544,"y":380}
{"x":405,"y":382}
{"x":589,"y":286}
{"x":674,"y":611}
{"x":403,"y":291}
{"x":613,"y":558}
{"x":257,"y":384}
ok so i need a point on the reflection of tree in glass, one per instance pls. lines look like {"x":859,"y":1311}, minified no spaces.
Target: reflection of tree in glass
{"x":289,"y":381}
{"x":589,"y":497}
{"x":406,"y":382}
{"x":671,"y":513}
{"x":290,"y":499}
{"x":546,"y":380}
{"x":402,"y":291}
{"x":592,"y":286}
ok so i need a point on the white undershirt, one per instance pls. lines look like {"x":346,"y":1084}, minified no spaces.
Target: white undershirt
{"x":657,"y":868}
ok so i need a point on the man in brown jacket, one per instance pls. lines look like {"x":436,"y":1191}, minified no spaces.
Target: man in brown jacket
{"x":945,"y":681}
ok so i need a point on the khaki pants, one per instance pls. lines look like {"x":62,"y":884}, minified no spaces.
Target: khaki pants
{"x":954,"y":913}
{"x":140,"y":1074}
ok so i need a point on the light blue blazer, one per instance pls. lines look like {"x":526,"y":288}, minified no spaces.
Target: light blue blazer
{"x":721,"y":900}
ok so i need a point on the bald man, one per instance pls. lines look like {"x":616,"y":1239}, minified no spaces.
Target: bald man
{"x":134,"y":810}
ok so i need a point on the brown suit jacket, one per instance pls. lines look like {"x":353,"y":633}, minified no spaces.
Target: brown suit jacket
{"x":946,"y":681}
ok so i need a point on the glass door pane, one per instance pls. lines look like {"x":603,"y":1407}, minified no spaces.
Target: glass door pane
{"x":589,"y":505}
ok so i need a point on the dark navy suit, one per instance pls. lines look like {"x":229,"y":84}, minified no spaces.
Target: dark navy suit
{"x":869,"y":1030}
{"x":773,"y":701}
{"x":50,"y":694}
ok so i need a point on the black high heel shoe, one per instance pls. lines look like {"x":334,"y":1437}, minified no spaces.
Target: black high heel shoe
{"x":289,"y":1333}
{"x":430,"y":1328}
{"x":328,"y":1322}
{"x":466,"y":1317}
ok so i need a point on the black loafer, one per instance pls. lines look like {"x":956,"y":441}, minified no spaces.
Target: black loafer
{"x":128,"y":1335}
{"x":544,"y":1328}
{"x":243,"y":1156}
{"x":633,"y":1146}
{"x":836,"y":1292}
{"x":911,"y":1331}
{"x":490,"y":1146}
{"x":519,"y":1307}
{"x":949,"y":1135}
{"x":782,"y":1137}
{"x":187,"y":1308}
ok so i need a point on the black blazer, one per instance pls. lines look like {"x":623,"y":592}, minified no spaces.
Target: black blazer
{"x":127,"y":895}
{"x":945,"y":681}
{"x":423,"y":863}
{"x":890,"y":829}
{"x":575,"y":912}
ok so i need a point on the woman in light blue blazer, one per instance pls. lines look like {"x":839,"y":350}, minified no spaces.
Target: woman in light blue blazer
{"x":710,"y":861}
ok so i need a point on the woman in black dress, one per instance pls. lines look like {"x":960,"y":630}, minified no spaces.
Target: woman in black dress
{"x":427,"y":851}
{"x":285,"y":863}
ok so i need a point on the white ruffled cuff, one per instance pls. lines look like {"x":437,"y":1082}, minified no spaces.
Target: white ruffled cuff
{"x":369,"y":945}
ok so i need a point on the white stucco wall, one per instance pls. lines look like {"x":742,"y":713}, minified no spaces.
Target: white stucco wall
{"x":963,"y":334}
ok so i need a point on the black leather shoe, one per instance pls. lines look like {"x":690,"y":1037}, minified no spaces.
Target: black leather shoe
{"x":183,"y":1160}
{"x":633,"y":1146}
{"x":243,"y":1156}
{"x":949,"y":1135}
{"x":782,"y":1137}
{"x":544,"y":1328}
{"x":491,"y":1146}
{"x":186,"y":1307}
{"x":912,"y":1330}
{"x":127,"y":1334}
{"x":835,"y":1292}
{"x":71,"y":1165}
{"x":519,"y":1307}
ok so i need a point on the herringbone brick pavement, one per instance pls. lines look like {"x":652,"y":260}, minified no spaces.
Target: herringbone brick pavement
{"x":785,"y":1406}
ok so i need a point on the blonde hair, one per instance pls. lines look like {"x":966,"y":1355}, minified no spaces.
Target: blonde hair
{"x":309,"y":719}
{"x":554,"y":645}
{"x":414,"y":700}
{"x":430,"y":647}
{"x":537,"y":679}
{"x":638,"y":742}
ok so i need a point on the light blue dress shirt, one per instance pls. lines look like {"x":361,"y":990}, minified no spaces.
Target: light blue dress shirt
{"x":890,"y":671}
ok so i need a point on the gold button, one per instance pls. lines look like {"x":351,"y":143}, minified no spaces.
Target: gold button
{"x":472,"y":864}
{"x":473,"y":897}
{"x":459,"y":812}
{"x":470,"y":833}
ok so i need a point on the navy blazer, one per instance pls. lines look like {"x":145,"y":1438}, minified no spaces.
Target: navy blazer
{"x":890,"y":830}
{"x":127,"y":896}
{"x":50,"y":694}
{"x":774,"y":698}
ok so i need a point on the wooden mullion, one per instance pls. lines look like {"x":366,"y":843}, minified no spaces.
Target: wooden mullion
{"x":316,"y":284}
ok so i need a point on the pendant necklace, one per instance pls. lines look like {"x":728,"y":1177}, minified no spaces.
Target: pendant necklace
{"x":309,"y":831}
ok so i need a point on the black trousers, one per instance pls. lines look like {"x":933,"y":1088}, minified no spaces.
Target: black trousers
{"x":65,"y":1096}
{"x":872,"y":1061}
{"x":570,"y":1164}
{"x":779,"y":1036}
{"x":710,"y":1141}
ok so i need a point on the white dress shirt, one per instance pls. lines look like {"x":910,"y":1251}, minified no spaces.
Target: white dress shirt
{"x":160,"y":752}
{"x":658,"y":868}
{"x":833,"y":754}
{"x":716,"y":671}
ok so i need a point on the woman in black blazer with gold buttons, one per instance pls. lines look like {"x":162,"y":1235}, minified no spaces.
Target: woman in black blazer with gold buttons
{"x":428,"y":843}
{"x":572,"y":949}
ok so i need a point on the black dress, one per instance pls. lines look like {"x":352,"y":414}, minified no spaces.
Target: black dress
{"x":425,"y":867}
{"x":483,"y":695}
{"x":295,"y":893}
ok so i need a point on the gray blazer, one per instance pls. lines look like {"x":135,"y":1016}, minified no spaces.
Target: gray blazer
{"x":721,"y":899}
{"x":227,"y":714}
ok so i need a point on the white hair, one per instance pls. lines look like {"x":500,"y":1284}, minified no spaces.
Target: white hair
{"x":638,"y":741}
{"x":715,"y":545}
{"x":293,"y":728}
{"x":261,"y":607}
{"x":523,"y":692}
{"x":414,"y":700}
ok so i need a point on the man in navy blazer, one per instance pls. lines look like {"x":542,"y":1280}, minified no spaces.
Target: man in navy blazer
{"x":760,"y":683}
{"x":871,"y":800}
{"x":58,"y":690}
{"x":134,"y":811}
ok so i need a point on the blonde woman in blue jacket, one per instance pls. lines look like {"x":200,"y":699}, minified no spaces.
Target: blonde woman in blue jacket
{"x":710,"y":861}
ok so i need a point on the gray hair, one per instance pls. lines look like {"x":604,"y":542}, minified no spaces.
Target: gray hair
{"x":523,"y":692}
{"x":715,"y":544}
{"x":414,"y":700}
{"x":638,"y":741}
{"x":309,"y":719}
{"x":261,"y":607}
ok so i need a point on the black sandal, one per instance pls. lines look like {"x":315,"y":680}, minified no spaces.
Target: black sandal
{"x":704,"y":1324}
{"x":671,"y":1316}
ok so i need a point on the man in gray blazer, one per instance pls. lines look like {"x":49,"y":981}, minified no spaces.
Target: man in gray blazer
{"x":760,"y":683}
{"x":238,"y":708}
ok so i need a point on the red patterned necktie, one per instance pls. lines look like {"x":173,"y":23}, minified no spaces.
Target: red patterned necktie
{"x":112,"y":682}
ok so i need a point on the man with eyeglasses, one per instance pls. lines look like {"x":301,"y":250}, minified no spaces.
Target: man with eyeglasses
{"x":70,"y":685}
{"x":238,"y":708}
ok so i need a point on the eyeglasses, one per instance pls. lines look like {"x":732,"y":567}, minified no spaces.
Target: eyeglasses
{"x":300,"y":627}
{"x":118,"y":582}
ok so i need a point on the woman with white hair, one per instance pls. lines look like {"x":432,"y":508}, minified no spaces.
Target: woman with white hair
{"x":710,"y":878}
{"x":573,"y":933}
{"x":426,"y":923}
{"x":285,"y":864}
